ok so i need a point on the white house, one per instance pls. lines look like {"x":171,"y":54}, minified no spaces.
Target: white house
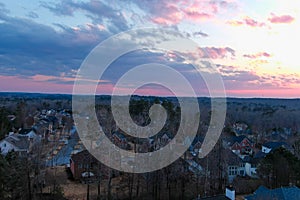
{"x":265,"y":149}
{"x":15,"y":142}
{"x":250,"y":169}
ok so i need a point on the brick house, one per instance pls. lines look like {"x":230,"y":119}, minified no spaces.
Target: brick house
{"x":120,"y":140}
{"x":240,"y":145}
{"x":81,"y":163}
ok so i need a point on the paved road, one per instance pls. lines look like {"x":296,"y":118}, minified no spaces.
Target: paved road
{"x":64,"y":155}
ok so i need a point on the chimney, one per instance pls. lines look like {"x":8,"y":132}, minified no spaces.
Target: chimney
{"x":230,"y":192}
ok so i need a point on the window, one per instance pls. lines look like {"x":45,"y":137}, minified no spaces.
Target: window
{"x":232,"y":170}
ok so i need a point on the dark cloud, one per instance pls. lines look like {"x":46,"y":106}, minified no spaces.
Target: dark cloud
{"x":31,"y":48}
{"x":98,"y":11}
{"x":64,"y":8}
{"x":200,"y":33}
{"x":3,"y":9}
{"x":241,"y":76}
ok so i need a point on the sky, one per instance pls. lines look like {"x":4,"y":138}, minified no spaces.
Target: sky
{"x":254,"y":44}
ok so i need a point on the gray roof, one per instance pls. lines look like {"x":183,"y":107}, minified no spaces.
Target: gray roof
{"x":230,"y":158}
{"x":260,"y":155}
{"x":284,"y":193}
{"x":19,"y":141}
{"x":233,"y":139}
{"x":276,"y":145}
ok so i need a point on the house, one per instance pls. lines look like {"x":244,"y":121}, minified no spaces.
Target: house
{"x":161,"y":141}
{"x":195,"y":167}
{"x":15,"y":142}
{"x":196,"y":145}
{"x":164,"y":140}
{"x":240,"y":128}
{"x":234,"y":165}
{"x":53,"y":121}
{"x":272,"y":146}
{"x":283,"y":193}
{"x":120,"y":140}
{"x":241,"y":145}
{"x":225,"y":160}
{"x":82,"y":163}
{"x":251,"y":166}
{"x":31,"y":134}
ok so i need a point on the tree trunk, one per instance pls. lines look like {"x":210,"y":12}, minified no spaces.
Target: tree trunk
{"x":182,"y":188}
{"x":109,"y":185}
{"x":29,"y":185}
{"x":137,"y":186}
{"x":98,"y":190}
{"x":88,"y":192}
{"x":99,"y":181}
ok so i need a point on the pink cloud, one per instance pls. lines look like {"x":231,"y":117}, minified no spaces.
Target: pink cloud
{"x":248,"y":22}
{"x":237,"y":83}
{"x":258,"y":55}
{"x":283,"y":19}
{"x":216,"y":52}
{"x":244,"y":83}
{"x":251,"y":22}
{"x":173,"y":12}
{"x":171,"y":15}
{"x":18,"y":84}
{"x":197,"y":16}
{"x":235,"y":23}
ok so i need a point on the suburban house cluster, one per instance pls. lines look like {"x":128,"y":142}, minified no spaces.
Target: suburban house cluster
{"x":239,"y":151}
{"x":39,"y":127}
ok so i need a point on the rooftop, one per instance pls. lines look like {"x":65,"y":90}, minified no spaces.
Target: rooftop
{"x":284,"y":193}
{"x":18,"y":141}
{"x":276,"y":145}
{"x":233,"y":139}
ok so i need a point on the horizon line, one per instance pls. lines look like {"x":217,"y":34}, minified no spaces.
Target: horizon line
{"x":227,"y":97}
